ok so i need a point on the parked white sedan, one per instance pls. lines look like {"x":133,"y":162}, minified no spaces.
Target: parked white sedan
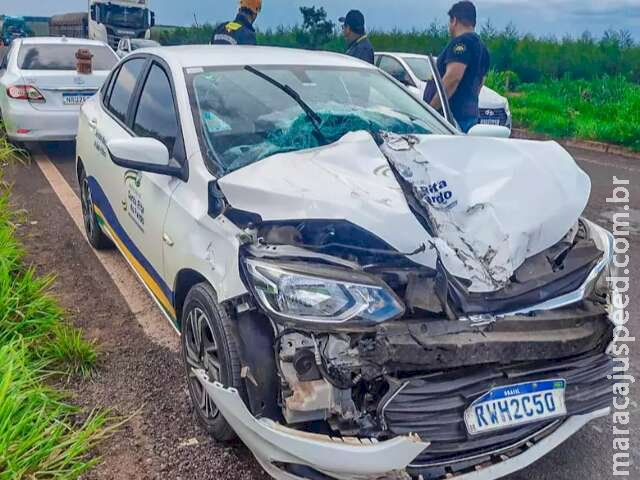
{"x":413,"y":71}
{"x":40,"y":89}
{"x":362,"y":291}
{"x":128,"y":45}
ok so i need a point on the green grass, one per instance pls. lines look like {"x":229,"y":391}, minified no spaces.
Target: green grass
{"x":606,"y":109}
{"x":532,"y":58}
{"x":71,"y":350}
{"x":41,"y":434}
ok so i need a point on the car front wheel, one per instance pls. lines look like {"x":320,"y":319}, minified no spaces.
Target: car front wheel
{"x":209,"y":344}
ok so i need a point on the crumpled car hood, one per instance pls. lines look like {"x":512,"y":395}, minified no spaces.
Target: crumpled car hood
{"x":493,"y":202}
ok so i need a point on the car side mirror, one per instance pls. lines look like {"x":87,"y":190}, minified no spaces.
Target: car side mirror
{"x":496,"y":131}
{"x":143,"y":154}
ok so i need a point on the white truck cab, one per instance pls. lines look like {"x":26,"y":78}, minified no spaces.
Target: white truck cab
{"x":112,"y":20}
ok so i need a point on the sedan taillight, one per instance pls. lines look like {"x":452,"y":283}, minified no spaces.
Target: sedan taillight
{"x":25,"y":92}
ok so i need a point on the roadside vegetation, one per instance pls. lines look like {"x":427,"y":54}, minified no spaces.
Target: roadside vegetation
{"x":605,"y":109}
{"x":42,"y":436}
{"x":583,"y":87}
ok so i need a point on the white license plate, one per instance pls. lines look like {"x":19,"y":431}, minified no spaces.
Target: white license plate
{"x":515,"y":405}
{"x":490,"y":121}
{"x":75,"y":98}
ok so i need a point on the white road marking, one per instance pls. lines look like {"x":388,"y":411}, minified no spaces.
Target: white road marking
{"x":144,"y":309}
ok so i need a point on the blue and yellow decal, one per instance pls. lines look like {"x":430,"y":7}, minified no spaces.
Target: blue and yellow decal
{"x":150,"y":277}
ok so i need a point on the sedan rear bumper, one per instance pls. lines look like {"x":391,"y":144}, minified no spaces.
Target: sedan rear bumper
{"x":279,"y":448}
{"x":26,"y":124}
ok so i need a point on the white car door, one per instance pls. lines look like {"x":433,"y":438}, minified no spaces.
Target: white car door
{"x":4,"y":56}
{"x":133,"y":203}
{"x":440,"y":91}
{"x":8,"y":77}
{"x":4,"y":63}
{"x":394,"y":68}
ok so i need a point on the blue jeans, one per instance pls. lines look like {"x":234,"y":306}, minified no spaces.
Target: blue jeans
{"x":466,"y":123}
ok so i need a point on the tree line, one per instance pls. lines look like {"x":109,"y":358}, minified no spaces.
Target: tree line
{"x":530,"y":58}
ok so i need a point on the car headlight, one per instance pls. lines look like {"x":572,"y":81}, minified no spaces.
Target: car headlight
{"x":507,"y":109}
{"x":292,"y":291}
{"x":598,"y":283}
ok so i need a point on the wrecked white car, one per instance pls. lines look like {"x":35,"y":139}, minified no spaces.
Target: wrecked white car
{"x":362,"y":291}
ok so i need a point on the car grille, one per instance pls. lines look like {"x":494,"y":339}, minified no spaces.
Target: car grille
{"x":493,"y":116}
{"x":113,"y":41}
{"x":434,"y":406}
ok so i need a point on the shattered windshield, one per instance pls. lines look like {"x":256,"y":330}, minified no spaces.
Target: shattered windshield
{"x":242,"y":118}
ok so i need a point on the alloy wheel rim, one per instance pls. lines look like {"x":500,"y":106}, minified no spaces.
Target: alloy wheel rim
{"x":87,"y":207}
{"x":202,"y":354}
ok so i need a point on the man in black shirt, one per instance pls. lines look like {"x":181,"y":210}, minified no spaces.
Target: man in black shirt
{"x":463,"y":65}
{"x":239,"y":31}
{"x":353,"y":30}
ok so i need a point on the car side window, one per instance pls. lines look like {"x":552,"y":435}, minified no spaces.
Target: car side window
{"x":156,"y":116}
{"x":395,"y":69}
{"x":123,"y":87}
{"x":107,"y":85}
{"x":4,"y":58}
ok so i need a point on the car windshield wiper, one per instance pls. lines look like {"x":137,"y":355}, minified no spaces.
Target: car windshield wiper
{"x":311,"y":114}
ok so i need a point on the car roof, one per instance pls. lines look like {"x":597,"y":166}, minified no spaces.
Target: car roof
{"x":402,"y":55}
{"x":191,"y":56}
{"x":60,"y":41}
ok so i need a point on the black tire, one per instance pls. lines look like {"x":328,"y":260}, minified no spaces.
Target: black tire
{"x":95,"y":235}
{"x":215,"y":350}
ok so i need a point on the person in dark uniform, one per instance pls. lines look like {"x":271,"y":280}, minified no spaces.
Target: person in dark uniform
{"x":354,"y":32}
{"x":463,"y":65}
{"x":239,"y":31}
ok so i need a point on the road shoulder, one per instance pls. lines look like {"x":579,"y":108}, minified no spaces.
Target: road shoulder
{"x":136,"y":375}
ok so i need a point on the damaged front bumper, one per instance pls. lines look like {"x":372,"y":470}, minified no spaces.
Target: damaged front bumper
{"x":284,"y":452}
{"x":345,"y":458}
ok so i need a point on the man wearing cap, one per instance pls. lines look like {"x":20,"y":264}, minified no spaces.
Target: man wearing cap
{"x":463,"y":65}
{"x":353,"y":30}
{"x":239,"y":31}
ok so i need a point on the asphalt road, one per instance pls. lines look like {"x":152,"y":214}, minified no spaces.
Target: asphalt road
{"x":588,"y":455}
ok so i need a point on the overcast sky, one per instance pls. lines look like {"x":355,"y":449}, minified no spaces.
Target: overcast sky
{"x":541,"y":17}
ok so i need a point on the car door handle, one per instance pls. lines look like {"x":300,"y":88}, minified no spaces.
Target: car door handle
{"x":93,"y":123}
{"x":167,"y":239}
